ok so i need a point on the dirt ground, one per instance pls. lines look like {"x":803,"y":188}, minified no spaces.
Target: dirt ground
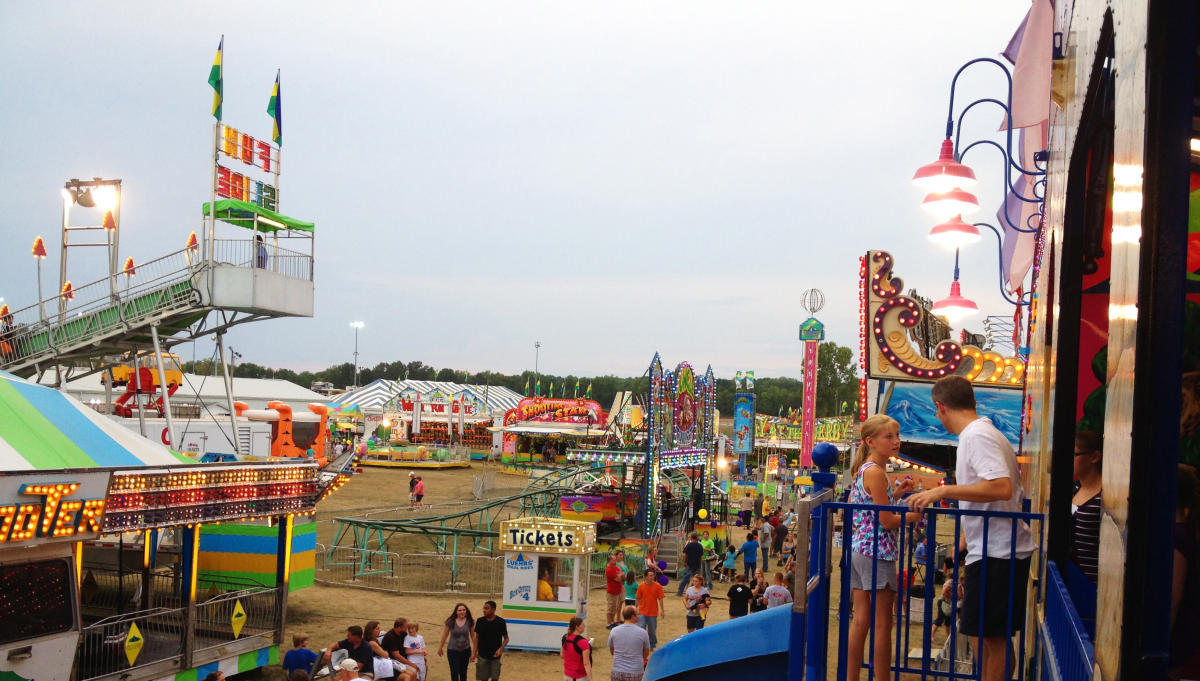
{"x":324,"y":612}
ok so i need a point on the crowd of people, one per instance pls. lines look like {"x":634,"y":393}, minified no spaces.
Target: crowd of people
{"x":401,"y":654}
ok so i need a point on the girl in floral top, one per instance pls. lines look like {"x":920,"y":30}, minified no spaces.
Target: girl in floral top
{"x":873,"y":558}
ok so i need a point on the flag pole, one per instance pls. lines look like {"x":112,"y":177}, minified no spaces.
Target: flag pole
{"x":212,"y":206}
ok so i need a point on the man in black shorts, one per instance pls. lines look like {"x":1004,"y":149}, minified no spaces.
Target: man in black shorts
{"x":996,"y":578}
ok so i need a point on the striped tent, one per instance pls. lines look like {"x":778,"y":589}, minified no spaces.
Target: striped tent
{"x":374,"y":395}
{"x":44,"y":429}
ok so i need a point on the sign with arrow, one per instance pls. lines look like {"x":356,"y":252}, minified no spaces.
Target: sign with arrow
{"x":133,"y":643}
{"x":239,"y":618}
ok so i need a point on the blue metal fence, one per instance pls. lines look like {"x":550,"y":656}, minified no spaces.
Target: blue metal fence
{"x":926,"y":666}
{"x":1066,"y":646}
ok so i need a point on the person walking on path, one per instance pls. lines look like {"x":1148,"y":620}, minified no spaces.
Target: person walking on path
{"x":695,"y":604}
{"x":491,"y":637}
{"x":739,"y":597}
{"x":989,"y":479}
{"x":777,"y":594}
{"x":614,"y":591}
{"x":650,"y":605}
{"x":764,"y":540}
{"x":749,"y":553}
{"x":458,"y":645}
{"x":576,"y":652}
{"x":630,"y":647}
{"x":710,"y":554}
{"x":419,"y":492}
{"x":693,"y":554}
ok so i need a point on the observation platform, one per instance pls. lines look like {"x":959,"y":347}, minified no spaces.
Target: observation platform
{"x":244,"y":279}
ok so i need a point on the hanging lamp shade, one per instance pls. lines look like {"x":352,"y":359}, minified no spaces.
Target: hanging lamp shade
{"x":944,"y":205}
{"x":955,"y":307}
{"x":945,"y":173}
{"x":954,"y":233}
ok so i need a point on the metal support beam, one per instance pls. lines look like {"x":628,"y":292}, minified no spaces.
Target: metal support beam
{"x":237,"y":448}
{"x":162,"y":385}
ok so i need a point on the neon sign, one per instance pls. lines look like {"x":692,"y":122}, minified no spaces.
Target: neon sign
{"x":53,"y":517}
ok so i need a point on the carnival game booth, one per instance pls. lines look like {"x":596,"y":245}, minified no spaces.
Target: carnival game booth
{"x":107,"y":566}
{"x":546,"y":575}
{"x":542,"y":429}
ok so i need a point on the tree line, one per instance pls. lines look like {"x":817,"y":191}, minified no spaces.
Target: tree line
{"x":837,"y":381}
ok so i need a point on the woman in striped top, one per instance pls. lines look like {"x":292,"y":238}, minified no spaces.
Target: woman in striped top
{"x":1086,"y":505}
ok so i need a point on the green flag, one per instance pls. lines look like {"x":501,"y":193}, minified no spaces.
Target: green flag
{"x":215,"y":79}
{"x":577,"y":388}
{"x":551,"y":393}
{"x":589,"y":391}
{"x":527,"y":387}
{"x":537,"y":387}
{"x":275,"y":109}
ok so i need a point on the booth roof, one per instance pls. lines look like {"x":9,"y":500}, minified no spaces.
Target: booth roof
{"x":44,"y":429}
{"x":374,"y":395}
{"x":242,"y":214}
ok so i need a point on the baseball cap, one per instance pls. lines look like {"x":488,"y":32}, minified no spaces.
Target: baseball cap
{"x":410,"y":474}
{"x":347,"y":665}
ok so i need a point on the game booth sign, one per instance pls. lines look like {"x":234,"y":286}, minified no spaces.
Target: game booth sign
{"x":536,"y":418}
{"x":546,"y":573}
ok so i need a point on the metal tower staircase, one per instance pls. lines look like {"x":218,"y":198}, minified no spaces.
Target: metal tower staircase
{"x":174,"y":293}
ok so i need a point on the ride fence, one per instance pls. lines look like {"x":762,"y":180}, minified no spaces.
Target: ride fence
{"x":216,"y":620}
{"x":245,"y":253}
{"x":108,"y":590}
{"x":413,"y":573}
{"x":102,"y":645}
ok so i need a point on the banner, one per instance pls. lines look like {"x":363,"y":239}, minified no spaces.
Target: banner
{"x":743,"y":423}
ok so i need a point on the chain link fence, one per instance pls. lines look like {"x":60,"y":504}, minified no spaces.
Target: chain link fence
{"x":412,"y":573}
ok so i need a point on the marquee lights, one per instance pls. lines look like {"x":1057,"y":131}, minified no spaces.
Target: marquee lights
{"x":138,"y":500}
{"x":606,"y":457}
{"x":948,"y":352}
{"x":683,"y":458}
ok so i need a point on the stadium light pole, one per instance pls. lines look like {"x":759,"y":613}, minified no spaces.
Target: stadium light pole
{"x":356,"y":326}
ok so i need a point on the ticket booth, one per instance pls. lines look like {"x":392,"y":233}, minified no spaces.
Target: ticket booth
{"x":546,"y":570}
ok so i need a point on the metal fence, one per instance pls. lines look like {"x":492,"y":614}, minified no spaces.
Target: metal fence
{"x":235,"y":615}
{"x":245,"y":253}
{"x":916,"y":607}
{"x":1067,"y":648}
{"x":102,"y":645}
{"x":413,"y":573}
{"x":106,"y":589}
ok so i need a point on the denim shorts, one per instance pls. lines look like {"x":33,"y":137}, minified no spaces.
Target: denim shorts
{"x":860,"y":573}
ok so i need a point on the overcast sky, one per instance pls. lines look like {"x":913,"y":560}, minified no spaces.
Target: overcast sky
{"x":610,"y":178}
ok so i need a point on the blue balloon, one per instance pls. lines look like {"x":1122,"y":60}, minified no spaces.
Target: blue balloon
{"x":664,"y":580}
{"x":713,"y":524}
{"x":662,"y":565}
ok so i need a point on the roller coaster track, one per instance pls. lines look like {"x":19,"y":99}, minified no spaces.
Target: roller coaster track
{"x":468,"y":530}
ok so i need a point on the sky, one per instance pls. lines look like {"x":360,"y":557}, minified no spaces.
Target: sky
{"x":610,"y":179}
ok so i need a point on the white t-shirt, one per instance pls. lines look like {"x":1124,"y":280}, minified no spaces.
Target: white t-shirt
{"x":776,"y":595}
{"x":985,"y":454}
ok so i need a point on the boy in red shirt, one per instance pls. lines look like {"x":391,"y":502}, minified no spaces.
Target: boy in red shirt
{"x":614,"y":590}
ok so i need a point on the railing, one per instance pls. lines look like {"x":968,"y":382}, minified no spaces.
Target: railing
{"x":1067,"y":649}
{"x":116,"y":302}
{"x":216,"y":619}
{"x":102,"y":645}
{"x":106,"y":589}
{"x":245,"y":253}
{"x":410,"y":453}
{"x":912,"y":607}
{"x":414,"y":573}
{"x":93,"y":309}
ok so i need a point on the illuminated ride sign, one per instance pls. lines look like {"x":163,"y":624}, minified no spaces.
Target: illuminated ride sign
{"x":254,"y":153}
{"x":889,"y":315}
{"x":49,"y":507}
{"x":202,"y":494}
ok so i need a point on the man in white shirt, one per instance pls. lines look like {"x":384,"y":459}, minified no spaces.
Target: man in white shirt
{"x":989,"y":479}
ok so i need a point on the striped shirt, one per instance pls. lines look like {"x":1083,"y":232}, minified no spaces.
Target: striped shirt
{"x":1085,"y":536}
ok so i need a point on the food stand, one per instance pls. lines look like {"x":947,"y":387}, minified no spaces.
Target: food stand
{"x":553,"y":554}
